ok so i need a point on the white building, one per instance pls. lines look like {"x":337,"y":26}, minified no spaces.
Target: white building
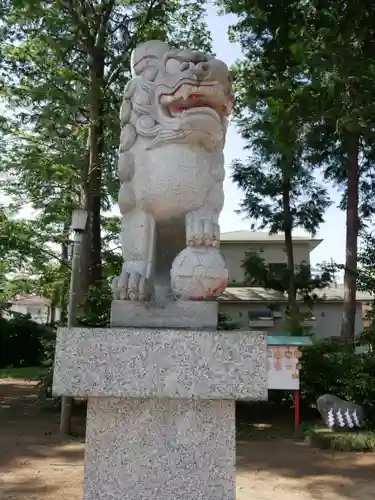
{"x":254,"y":307}
{"x":39,"y":308}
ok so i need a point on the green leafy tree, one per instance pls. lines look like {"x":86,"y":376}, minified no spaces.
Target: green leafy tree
{"x":327,"y":48}
{"x":281,"y":192}
{"x":366,"y":282}
{"x":63,"y":66}
{"x":309,"y":284}
{"x":31,"y":266}
{"x":339,"y":43}
{"x":308,"y":280}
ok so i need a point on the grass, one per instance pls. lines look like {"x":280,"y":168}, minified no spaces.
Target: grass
{"x":321,"y":437}
{"x":26,"y":373}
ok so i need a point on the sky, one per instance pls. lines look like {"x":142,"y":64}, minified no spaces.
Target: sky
{"x":333,"y":231}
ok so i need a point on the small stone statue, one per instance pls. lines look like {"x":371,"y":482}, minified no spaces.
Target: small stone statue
{"x":340,"y":414}
{"x":171,"y":168}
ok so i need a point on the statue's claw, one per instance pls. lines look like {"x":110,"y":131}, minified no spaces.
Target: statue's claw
{"x":131,"y":286}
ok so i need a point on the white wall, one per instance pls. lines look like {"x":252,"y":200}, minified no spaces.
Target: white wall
{"x":328,"y":319}
{"x":327,"y":323}
{"x":38,"y":313}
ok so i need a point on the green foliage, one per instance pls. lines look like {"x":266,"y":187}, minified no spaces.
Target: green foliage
{"x":63,"y":67}
{"x":266,"y":186}
{"x":46,"y":380}
{"x":94,"y":311}
{"x":23,"y":342}
{"x":307,"y":279}
{"x":332,"y":367}
{"x":293,"y":324}
{"x":27,"y":373}
{"x":326,"y":439}
{"x":306,"y":103}
{"x":366,"y":282}
{"x":280,"y":190}
{"x":225,"y":322}
{"x":308,"y":282}
{"x":96,"y":307}
{"x":366,"y":263}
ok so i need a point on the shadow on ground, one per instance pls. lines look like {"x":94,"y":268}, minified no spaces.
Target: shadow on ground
{"x":28,"y":488}
{"x":294,"y":466}
{"x":268,"y":453}
{"x":38,"y":464}
{"x":28,"y":431}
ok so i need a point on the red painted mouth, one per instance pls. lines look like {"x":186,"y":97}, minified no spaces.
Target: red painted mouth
{"x":187,"y":84}
{"x":209,"y":96}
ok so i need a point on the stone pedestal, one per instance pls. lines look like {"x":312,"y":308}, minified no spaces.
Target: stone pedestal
{"x":160,"y":449}
{"x":161,"y":407}
{"x":174,"y":314}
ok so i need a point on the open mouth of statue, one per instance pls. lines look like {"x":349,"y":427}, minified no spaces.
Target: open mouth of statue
{"x":188,"y":98}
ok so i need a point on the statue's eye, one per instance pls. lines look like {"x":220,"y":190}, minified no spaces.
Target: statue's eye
{"x":184,"y":66}
{"x":172,"y":66}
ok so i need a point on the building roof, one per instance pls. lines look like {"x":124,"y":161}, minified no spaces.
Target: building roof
{"x":264,"y":237}
{"x":30,"y":300}
{"x":258,"y":294}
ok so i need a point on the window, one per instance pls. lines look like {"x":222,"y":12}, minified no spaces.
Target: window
{"x":260,"y":317}
{"x":260,"y":313}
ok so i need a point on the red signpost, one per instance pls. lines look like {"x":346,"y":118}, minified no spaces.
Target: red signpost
{"x":284,"y":364}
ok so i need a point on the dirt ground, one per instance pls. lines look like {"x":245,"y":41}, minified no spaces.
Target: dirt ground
{"x":37,"y":464}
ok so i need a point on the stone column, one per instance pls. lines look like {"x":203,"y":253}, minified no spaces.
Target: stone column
{"x":161,"y":407}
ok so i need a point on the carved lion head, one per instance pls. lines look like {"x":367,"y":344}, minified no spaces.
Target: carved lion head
{"x":180,"y":95}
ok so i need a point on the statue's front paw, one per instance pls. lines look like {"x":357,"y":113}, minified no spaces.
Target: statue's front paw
{"x":131,"y":286}
{"x":201,"y":232}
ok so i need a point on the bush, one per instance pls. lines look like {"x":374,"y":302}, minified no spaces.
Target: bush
{"x":23,"y":341}
{"x":225,"y":322}
{"x":95,"y":309}
{"x":333,"y":367}
{"x":341,"y":441}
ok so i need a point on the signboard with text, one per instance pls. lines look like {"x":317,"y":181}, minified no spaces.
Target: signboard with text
{"x":283,"y":367}
{"x":284,"y":361}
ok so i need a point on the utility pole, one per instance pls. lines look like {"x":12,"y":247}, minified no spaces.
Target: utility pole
{"x":79,"y":218}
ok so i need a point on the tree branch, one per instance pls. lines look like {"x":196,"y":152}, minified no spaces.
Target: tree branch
{"x":116,"y":66}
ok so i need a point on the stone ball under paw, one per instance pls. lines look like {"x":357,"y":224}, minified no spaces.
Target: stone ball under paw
{"x":199,"y":274}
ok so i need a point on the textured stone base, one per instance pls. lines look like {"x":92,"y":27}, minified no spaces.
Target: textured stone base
{"x":160,"y":449}
{"x":178,"y":314}
{"x":160,"y":363}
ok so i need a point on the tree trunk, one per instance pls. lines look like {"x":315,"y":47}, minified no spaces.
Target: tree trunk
{"x":64,"y":286}
{"x":352,"y":229}
{"x":52,"y":313}
{"x":288,"y":226}
{"x":91,"y":248}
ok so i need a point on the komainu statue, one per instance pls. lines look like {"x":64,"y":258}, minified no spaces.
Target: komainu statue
{"x":171,"y":168}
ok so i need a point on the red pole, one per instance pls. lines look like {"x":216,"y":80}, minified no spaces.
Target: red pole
{"x":296,"y":410}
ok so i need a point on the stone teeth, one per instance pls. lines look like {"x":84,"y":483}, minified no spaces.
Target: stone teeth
{"x":185,"y":92}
